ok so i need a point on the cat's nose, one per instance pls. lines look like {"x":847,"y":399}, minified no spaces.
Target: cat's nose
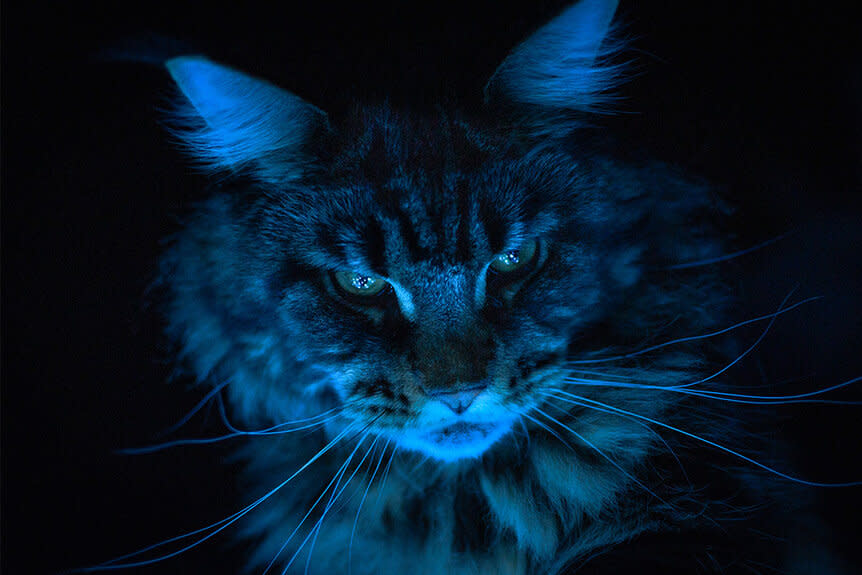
{"x":458,"y":401}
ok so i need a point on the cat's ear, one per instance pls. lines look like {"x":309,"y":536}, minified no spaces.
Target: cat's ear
{"x":231,"y":121}
{"x":563,"y":66}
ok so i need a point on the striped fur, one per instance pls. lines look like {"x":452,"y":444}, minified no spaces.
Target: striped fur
{"x":426,"y":202}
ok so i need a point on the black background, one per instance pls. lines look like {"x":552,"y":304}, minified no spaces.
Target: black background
{"x":760,"y":97}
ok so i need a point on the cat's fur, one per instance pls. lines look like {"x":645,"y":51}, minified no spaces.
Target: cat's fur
{"x":427,"y":203}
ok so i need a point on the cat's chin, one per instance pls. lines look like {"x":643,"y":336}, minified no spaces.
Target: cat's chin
{"x":458,"y":440}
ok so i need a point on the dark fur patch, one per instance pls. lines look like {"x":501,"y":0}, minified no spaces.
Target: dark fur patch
{"x":474,"y":531}
{"x":381,"y":387}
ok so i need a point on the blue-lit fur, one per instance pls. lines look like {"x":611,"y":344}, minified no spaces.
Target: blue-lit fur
{"x":427,"y":202}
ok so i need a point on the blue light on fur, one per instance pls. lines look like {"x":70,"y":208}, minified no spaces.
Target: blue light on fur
{"x":457,"y":440}
{"x":235,"y":120}
{"x":319,"y":379}
{"x":564,"y":65}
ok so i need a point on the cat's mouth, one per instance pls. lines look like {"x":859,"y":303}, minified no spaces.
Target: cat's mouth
{"x":460,"y":432}
{"x":457,"y":440}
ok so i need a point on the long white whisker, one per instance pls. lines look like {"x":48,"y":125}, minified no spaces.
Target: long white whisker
{"x":640,"y":376}
{"x":359,"y":508}
{"x":385,"y":475}
{"x":210,"y":440}
{"x":333,"y":499}
{"x":604,"y":455}
{"x":218,"y":526}
{"x":548,"y":429}
{"x":782,"y":310}
{"x":729,"y":397}
{"x":603,"y":374}
{"x":729,"y":256}
{"x":333,"y":410}
{"x":198,"y":406}
{"x":642,"y":424}
{"x":273,"y":430}
{"x":746,"y":352}
{"x":337,"y":475}
{"x":419,"y":464}
{"x":578,"y":399}
{"x":524,"y":427}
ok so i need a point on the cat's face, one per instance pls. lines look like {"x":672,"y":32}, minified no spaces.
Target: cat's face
{"x":430,"y":276}
{"x":441,"y":284}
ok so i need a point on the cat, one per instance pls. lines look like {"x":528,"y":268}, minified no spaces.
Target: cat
{"x":470,"y":344}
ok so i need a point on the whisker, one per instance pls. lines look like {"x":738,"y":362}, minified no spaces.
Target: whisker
{"x":730,"y":256}
{"x":385,"y":475}
{"x":339,"y":473}
{"x":419,"y":464}
{"x":333,"y":499}
{"x":777,"y":399}
{"x":333,"y":410}
{"x":731,"y":397}
{"x":219,"y":526}
{"x":640,"y":375}
{"x":642,"y":424}
{"x":744,"y":353}
{"x":549,"y":430}
{"x":210,"y":440}
{"x":198,"y":406}
{"x":524,"y":427}
{"x":273,"y":430}
{"x":782,"y":310}
{"x":604,"y":455}
{"x":708,"y":442}
{"x":359,"y":508}
{"x":747,"y":351}
{"x":604,"y":374}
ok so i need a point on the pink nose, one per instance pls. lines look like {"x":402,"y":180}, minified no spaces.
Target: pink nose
{"x":458,"y":401}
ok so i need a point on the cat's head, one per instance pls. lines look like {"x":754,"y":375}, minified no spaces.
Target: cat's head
{"x":431,"y":275}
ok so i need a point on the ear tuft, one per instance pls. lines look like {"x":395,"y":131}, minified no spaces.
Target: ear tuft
{"x":564,"y":65}
{"x":231,"y":121}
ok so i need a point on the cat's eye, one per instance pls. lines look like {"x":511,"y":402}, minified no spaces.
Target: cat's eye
{"x":358,"y":284}
{"x":509,"y":271}
{"x":514,"y":260}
